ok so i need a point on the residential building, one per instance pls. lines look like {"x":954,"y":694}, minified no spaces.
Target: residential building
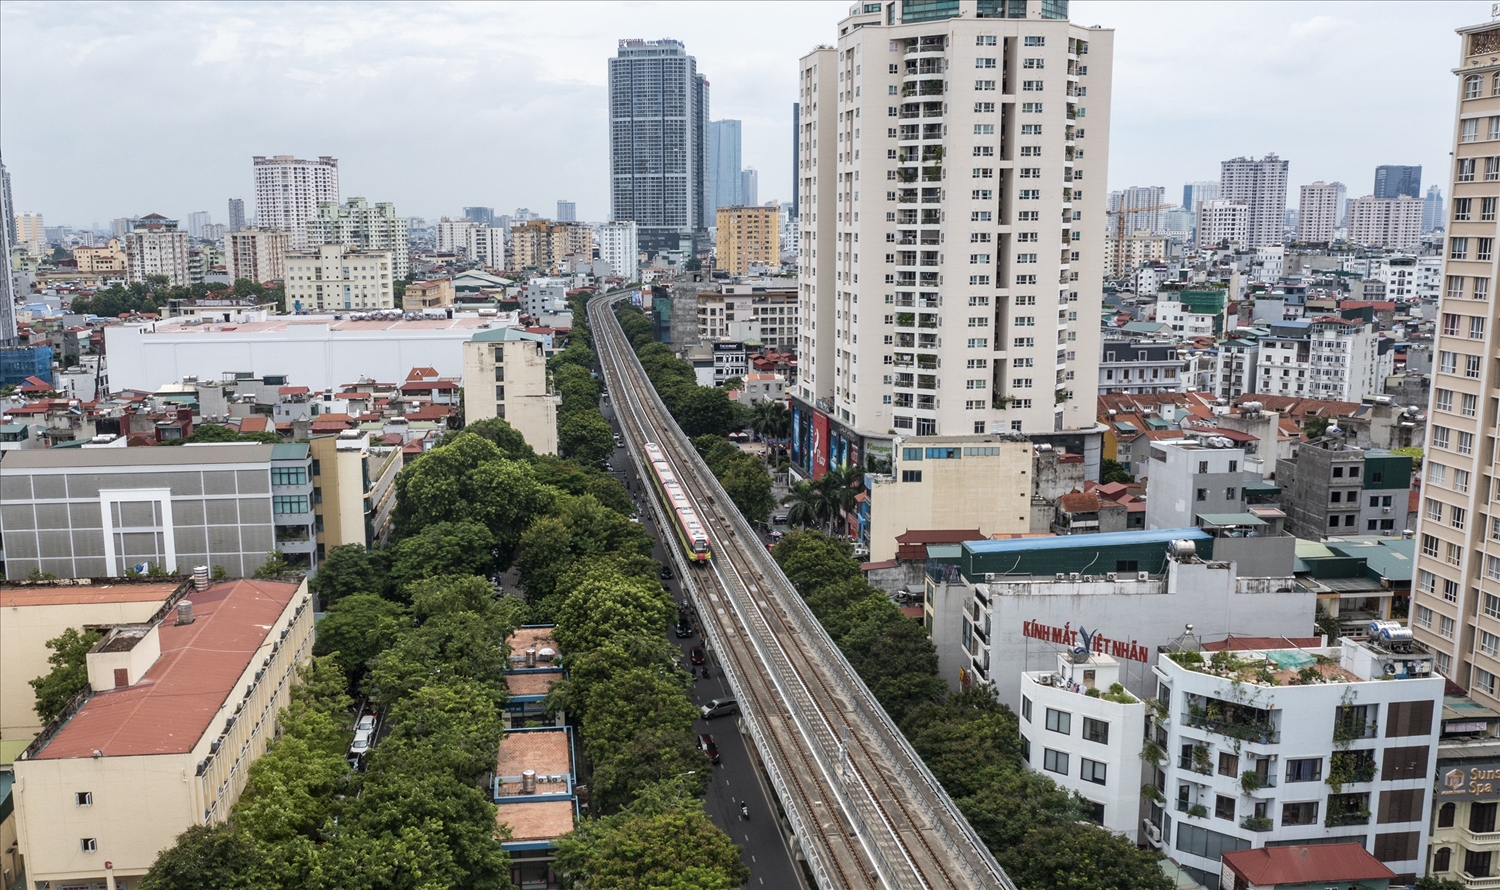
{"x":1193,"y":313}
{"x":155,"y":247}
{"x":567,"y":211}
{"x":8,"y":333}
{"x":7,"y":211}
{"x":1333,"y":487}
{"x":1223,"y":224}
{"x":747,"y":236}
{"x":1464,"y":842}
{"x":289,"y":191}
{"x":176,"y":711}
{"x":1312,"y":867}
{"x":658,"y":142}
{"x":358,"y":224}
{"x":171,"y":508}
{"x":543,"y":244}
{"x":1395,"y":181}
{"x":505,"y":376}
{"x":536,"y":799}
{"x":453,"y":234}
{"x":1318,"y":211}
{"x":1135,"y":365}
{"x":1234,"y":363}
{"x":236,"y":214}
{"x":1266,"y":745}
{"x":1196,"y":194}
{"x":997,"y":608}
{"x":435,"y":293}
{"x":1202,"y":475}
{"x":336,"y":276}
{"x":31,"y":233}
{"x":949,"y":482}
{"x":1393,"y":223}
{"x":750,"y":311}
{"x":1142,"y":209}
{"x":724,"y":164}
{"x":1261,"y":187}
{"x":1123,"y":258}
{"x":355,"y":478}
{"x":1327,"y":357}
{"x":485,"y":216}
{"x":1022,"y":320}
{"x":619,"y":245}
{"x":1083,"y":730}
{"x":198,"y":220}
{"x":750,"y":186}
{"x":36,"y":614}
{"x":1432,"y":210}
{"x":535,"y":667}
{"x":109,"y":257}
{"x":1460,"y":519}
{"x":257,"y":254}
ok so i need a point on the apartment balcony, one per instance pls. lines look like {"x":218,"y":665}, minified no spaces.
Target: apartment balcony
{"x":1335,"y":820}
{"x":1473,"y":883}
{"x":1476,"y":838}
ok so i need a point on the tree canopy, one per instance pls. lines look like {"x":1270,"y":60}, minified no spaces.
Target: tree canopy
{"x":69,"y":675}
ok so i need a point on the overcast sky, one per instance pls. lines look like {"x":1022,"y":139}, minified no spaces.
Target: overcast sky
{"x":122,"y":109}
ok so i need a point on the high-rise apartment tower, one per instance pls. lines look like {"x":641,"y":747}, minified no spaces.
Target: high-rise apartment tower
{"x":951,"y":247}
{"x":1318,"y":212}
{"x":1261,"y":187}
{"x":724,"y":164}
{"x":1456,"y":588}
{"x":658,"y":142}
{"x":288,"y":191}
{"x":1395,"y":180}
{"x":236,"y":214}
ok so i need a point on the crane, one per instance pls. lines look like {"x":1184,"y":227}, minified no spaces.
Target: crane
{"x":1120,"y":230}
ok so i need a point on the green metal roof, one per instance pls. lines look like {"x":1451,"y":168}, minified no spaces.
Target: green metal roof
{"x":1311,"y":549}
{"x":1231,"y":519}
{"x":1262,"y":486}
{"x":289,"y":451}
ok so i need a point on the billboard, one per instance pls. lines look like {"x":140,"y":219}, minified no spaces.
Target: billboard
{"x":819,"y":444}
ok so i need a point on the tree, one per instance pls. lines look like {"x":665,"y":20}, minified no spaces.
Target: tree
{"x":733,"y":384}
{"x":452,"y":727}
{"x":1081,"y":857}
{"x":347,"y":570}
{"x":605,"y":604}
{"x":706,"y":410}
{"x":356,"y":629}
{"x":574,"y":478}
{"x":749,"y":486}
{"x":812,"y":560}
{"x":443,"y":548}
{"x":274,"y":567}
{"x":805,"y":505}
{"x":1431,"y":882}
{"x":840,"y":488}
{"x":1114,"y":471}
{"x":69,"y":674}
{"x":1314,"y":428}
{"x":674,"y":848}
{"x":207,"y":857}
{"x":505,"y":437}
{"x":444,"y":649}
{"x":579,"y":528}
{"x":585,"y":437}
{"x":469,"y":480}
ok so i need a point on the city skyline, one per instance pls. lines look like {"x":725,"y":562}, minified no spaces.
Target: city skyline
{"x":1167,"y":134}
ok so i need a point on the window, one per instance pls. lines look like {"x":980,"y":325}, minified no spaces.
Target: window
{"x":986,"y":85}
{"x":289,"y":503}
{"x":1440,"y":437}
{"x":1465,"y":173}
{"x":1305,"y":770}
{"x":83,"y":798}
{"x":1054,"y":761}
{"x":911,"y":475}
{"x":1491,"y":169}
{"x":1442,"y":860}
{"x":1224,"y":807}
{"x":1482,"y":285}
{"x":1461,"y":481}
{"x":1487,"y":209}
{"x":1059,"y":721}
{"x":984,"y":40}
{"x":1465,"y":442}
{"x":1461,"y":209}
{"x":1486,"y":247}
{"x":1025,"y":749}
{"x":1450,"y":587}
{"x":1472,"y":86}
{"x":1202,"y":494}
{"x":1034,"y":41}
{"x":1031,"y":129}
{"x":1091,"y":771}
{"x":984,"y":129}
{"x":1489,"y":644}
{"x":88,"y":844}
{"x":1484,"y":681}
{"x":983,"y":107}
{"x":1445,"y":626}
{"x":1096,"y":730}
{"x":1469,"y":130}
{"x":1032,"y":86}
{"x":984,"y":172}
{"x":288,"y":475}
{"x":1229,"y":763}
{"x":1301,"y":813}
{"x":1424,"y":616}
{"x":1492,"y":605}
{"x":984,"y":62}
{"x":1031,"y":107}
{"x":1034,"y":63}
{"x":1434,"y":511}
{"x":1455,"y":287}
{"x":1448,"y":362}
{"x":1025,"y":702}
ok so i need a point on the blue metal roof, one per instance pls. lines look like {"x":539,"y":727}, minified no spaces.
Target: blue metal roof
{"x":1106,"y":539}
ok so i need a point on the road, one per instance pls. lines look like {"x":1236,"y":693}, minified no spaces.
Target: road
{"x":763,"y":848}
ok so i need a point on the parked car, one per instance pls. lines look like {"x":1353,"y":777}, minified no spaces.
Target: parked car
{"x":683,"y":629}
{"x":695,"y":655}
{"x":361,"y":743}
{"x":719,"y":707}
{"x":666,"y":572}
{"x":366,"y":722}
{"x":707,"y":746}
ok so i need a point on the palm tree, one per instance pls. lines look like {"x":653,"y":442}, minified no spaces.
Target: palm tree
{"x":840,"y":488}
{"x":760,"y":418}
{"x":778,"y":421}
{"x":805,"y":505}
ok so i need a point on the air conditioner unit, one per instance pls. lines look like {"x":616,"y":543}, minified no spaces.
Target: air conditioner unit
{"x":1385,"y":509}
{"x":1073,"y":576}
{"x":1153,"y":833}
{"x":1143,"y":576}
{"x":1062,"y":576}
{"x":1111,"y":576}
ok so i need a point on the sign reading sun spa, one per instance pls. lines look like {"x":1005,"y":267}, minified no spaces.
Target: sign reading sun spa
{"x":1469,"y":782}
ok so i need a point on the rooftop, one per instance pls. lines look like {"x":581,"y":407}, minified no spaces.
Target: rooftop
{"x":548,"y":751}
{"x":1093,"y":542}
{"x":16,"y":597}
{"x":214,"y":453}
{"x":313,"y":325}
{"x":170,"y":708}
{"x":532,"y":682}
{"x":1315,"y":864}
{"x":536,"y":820}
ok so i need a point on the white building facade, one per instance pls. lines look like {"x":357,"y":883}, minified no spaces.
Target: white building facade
{"x":154,"y":246}
{"x":619,"y":246}
{"x":335,"y":276}
{"x":1324,"y":358}
{"x":288,"y":192}
{"x":358,"y":223}
{"x":1318,"y":211}
{"x":1261,"y":187}
{"x":1223,"y":222}
{"x":908,"y":265}
{"x":1394,"y":223}
{"x":256,"y":254}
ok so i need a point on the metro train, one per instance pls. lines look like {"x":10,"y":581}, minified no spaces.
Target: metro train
{"x":685,"y":519}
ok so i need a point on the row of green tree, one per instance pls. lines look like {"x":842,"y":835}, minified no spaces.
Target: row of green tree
{"x":969,"y":740}
{"x":154,"y":293}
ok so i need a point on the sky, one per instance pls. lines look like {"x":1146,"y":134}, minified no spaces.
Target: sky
{"x":122,"y":109}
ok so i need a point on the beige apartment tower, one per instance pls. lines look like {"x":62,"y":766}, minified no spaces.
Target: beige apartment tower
{"x":333,"y":277}
{"x":747,"y":236}
{"x":544,"y":244}
{"x":505,"y":376}
{"x":1456,"y":588}
{"x":1318,"y":212}
{"x":952,"y":240}
{"x":257,"y":254}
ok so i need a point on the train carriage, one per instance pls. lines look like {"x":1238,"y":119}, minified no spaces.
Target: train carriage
{"x":685,"y":519}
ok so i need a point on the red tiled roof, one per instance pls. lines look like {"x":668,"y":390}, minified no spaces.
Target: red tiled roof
{"x":292,"y":391}
{"x":15,"y":597}
{"x":939,"y":536}
{"x":1316,"y":864}
{"x":428,"y":385}
{"x":170,"y":708}
{"x":421,"y":373}
{"x":258,"y":424}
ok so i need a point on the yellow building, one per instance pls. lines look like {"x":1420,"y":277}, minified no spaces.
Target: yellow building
{"x":30,"y":232}
{"x":257,"y":254}
{"x":544,"y":244}
{"x":505,"y":376}
{"x":180,"y":706}
{"x":106,"y":258}
{"x":434,"y":294}
{"x":951,"y":483}
{"x":34,"y":615}
{"x":356,"y":489}
{"x":747,"y":236}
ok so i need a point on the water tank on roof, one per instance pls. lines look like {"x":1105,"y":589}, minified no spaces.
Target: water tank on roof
{"x":1389,"y":631}
{"x":1182,"y":549}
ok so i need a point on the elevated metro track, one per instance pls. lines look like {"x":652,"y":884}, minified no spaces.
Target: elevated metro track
{"x":864,"y":809}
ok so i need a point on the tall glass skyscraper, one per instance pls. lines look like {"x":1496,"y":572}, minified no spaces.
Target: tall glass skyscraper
{"x":658,"y":142}
{"x":724,"y":164}
{"x":1395,"y":180}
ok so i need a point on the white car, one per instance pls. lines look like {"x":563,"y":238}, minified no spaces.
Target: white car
{"x":366,"y":723}
{"x":361,"y":743}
